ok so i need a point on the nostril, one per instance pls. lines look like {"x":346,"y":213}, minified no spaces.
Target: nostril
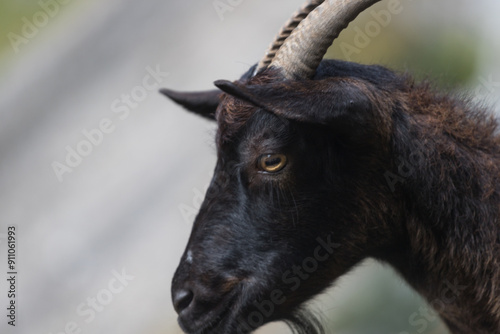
{"x":182,"y":299}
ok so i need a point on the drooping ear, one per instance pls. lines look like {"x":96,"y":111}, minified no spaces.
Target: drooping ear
{"x":325,"y":102}
{"x":201,"y":103}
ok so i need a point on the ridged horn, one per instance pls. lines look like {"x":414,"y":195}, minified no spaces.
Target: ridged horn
{"x":285,"y":31}
{"x":303,"y":50}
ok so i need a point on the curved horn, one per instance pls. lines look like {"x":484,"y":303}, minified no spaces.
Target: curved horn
{"x":285,"y":31}
{"x":301,"y":53}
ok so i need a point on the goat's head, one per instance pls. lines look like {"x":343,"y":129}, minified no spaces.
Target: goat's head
{"x":288,"y":209}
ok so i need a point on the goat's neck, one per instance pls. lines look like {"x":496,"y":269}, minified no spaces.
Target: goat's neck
{"x":450,"y":184}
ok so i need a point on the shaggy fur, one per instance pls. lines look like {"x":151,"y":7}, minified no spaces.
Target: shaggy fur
{"x":379,"y":165}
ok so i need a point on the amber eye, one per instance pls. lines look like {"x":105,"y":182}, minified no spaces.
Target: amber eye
{"x":272,"y":163}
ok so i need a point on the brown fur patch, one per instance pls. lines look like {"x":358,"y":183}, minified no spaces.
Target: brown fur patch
{"x":232,"y":113}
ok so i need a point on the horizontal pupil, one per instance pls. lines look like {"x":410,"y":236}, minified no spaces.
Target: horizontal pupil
{"x":273,"y":162}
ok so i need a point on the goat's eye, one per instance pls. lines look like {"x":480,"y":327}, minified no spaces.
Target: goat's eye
{"x":272,"y":163}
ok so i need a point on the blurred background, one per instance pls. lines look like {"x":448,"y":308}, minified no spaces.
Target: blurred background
{"x":103,"y":176}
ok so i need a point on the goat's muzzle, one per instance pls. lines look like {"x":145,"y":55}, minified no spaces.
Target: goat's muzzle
{"x":201,"y":305}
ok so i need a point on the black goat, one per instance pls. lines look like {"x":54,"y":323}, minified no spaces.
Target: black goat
{"x":324,"y":163}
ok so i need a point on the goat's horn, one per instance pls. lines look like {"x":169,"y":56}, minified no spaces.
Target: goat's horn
{"x":303,"y":50}
{"x":287,"y":29}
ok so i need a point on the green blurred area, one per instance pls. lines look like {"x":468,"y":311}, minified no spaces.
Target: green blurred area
{"x":11,"y":19}
{"x":445,"y":53}
{"x":22,"y":21}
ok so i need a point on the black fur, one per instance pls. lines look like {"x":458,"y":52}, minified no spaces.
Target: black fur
{"x":378,"y":166}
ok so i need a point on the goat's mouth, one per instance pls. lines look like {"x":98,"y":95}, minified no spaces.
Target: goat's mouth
{"x":219,"y":319}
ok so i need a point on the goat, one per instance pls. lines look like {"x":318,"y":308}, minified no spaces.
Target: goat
{"x":323,"y":163}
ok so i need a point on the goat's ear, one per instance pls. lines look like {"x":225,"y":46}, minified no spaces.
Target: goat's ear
{"x":313,"y":101}
{"x":201,"y":103}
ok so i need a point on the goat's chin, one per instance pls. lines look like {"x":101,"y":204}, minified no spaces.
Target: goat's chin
{"x":301,"y":322}
{"x":235,"y":316}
